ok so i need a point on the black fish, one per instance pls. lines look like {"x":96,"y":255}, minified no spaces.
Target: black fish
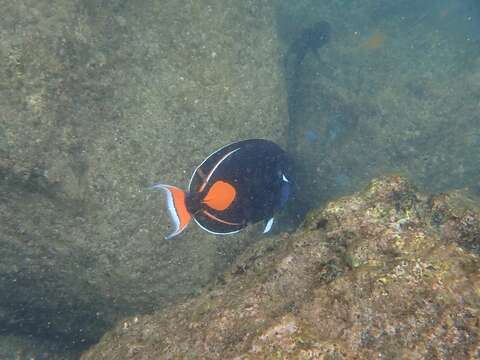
{"x":241,"y":183}
{"x":310,"y":39}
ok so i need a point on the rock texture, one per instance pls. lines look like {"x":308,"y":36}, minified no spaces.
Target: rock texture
{"x":387,"y":273}
{"x":20,"y":348}
{"x":99,"y":100}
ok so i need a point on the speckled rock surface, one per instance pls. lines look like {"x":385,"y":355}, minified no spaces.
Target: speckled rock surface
{"x":19,"y":348}
{"x":99,"y":100}
{"x":388,"y":273}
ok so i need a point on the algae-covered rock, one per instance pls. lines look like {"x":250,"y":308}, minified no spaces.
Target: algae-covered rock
{"x":375,"y":275}
{"x":99,"y":100}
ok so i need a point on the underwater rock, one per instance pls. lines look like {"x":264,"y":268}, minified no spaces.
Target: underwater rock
{"x":383,"y":273}
{"x":18,"y":348}
{"x":100,"y":100}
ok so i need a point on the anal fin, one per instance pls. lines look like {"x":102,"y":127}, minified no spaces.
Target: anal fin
{"x":268,"y":225}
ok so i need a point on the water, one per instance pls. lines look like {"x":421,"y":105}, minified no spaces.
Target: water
{"x":391,"y":92}
{"x":100,"y":99}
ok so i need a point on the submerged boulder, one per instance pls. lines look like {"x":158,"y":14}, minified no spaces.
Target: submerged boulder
{"x":384,"y":273}
{"x":100,"y":100}
{"x":19,"y":348}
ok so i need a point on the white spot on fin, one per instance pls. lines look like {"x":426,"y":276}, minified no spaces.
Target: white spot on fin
{"x":285,"y":178}
{"x":268,"y":226}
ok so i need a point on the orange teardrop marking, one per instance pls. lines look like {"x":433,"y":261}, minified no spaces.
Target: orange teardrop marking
{"x":220,"y":195}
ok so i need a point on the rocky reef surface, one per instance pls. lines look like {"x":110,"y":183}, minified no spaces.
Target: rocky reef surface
{"x":99,"y":100}
{"x":387,"y":273}
{"x":22,"y":348}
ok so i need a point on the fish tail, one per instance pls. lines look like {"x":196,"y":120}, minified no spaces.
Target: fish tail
{"x":176,"y":206}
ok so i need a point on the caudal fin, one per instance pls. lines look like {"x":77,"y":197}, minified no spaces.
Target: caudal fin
{"x":176,"y":207}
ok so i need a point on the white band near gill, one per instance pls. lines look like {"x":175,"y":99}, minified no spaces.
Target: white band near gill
{"x":218,"y":164}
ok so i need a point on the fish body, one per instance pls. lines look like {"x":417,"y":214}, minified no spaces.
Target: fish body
{"x":239,"y":184}
{"x":310,"y":39}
